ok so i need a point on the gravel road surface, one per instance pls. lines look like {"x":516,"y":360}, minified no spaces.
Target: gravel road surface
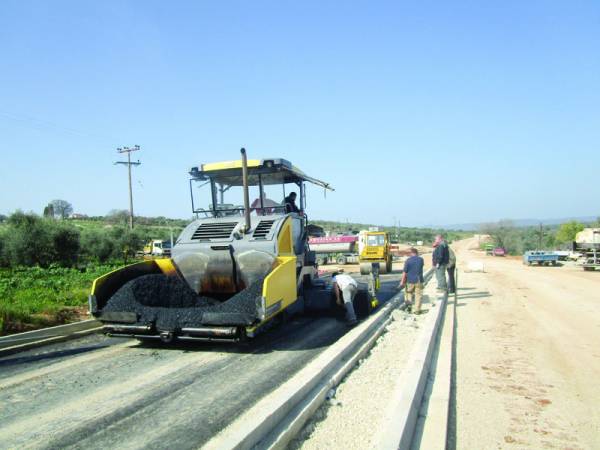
{"x":528,"y":358}
{"x":98,"y":392}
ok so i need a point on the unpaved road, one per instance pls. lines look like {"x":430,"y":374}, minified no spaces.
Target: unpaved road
{"x":528,"y":356}
{"x":98,"y":392}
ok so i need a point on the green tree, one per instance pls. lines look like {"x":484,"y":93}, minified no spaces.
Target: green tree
{"x":66,"y":244}
{"x":504,"y":235}
{"x":49,"y":211}
{"x":567,"y":231}
{"x":61,"y":208}
{"x":97,"y":245}
{"x":3,"y":260}
{"x":30,"y":240}
{"x":127,"y":242}
{"x":118,"y":216}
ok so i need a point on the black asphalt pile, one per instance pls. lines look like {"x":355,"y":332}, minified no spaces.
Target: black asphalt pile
{"x":171,"y":304}
{"x":161,"y":290}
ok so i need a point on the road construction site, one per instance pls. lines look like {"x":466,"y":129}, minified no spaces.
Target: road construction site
{"x":512,"y":367}
{"x":242,"y":339}
{"x":239,"y":275}
{"x":99,"y":392}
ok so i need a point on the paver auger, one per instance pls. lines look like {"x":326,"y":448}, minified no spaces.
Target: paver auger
{"x":232,"y":271}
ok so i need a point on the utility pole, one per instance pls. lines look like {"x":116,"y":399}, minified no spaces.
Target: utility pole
{"x":128,"y":163}
{"x":541,"y":235}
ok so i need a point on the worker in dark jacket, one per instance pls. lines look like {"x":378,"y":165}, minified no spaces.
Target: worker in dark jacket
{"x":412,"y":278}
{"x":290,"y":203}
{"x":441,"y":257}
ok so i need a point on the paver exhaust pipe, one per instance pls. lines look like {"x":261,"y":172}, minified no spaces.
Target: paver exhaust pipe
{"x":246,"y":190}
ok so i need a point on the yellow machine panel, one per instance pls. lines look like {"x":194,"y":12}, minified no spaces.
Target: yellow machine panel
{"x":284,"y":240}
{"x":229,"y":165}
{"x":279,"y":287}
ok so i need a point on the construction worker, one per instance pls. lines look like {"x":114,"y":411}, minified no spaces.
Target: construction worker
{"x":412,"y":279}
{"x":450,"y":269}
{"x":440,"y":259}
{"x":345,"y":288}
{"x":290,"y":203}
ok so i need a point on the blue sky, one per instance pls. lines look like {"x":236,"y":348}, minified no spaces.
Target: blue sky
{"x":427,"y":112}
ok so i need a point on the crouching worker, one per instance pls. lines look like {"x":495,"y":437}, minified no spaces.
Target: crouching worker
{"x":345,"y":288}
{"x":412,"y":278}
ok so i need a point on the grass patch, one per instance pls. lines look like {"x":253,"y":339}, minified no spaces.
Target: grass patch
{"x":32,"y":297}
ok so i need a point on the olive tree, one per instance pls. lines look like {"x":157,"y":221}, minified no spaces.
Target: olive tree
{"x":61,"y":208}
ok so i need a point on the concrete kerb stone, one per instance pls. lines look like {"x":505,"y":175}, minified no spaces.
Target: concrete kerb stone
{"x":402,"y":414}
{"x":15,"y":343}
{"x":275,"y":419}
{"x":432,"y":428}
{"x":285,"y":432}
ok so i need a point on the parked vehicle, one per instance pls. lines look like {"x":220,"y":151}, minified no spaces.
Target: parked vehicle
{"x":541,"y":258}
{"x":587,"y":242}
{"x":157,"y":248}
{"x":499,"y":251}
{"x":335,"y":249}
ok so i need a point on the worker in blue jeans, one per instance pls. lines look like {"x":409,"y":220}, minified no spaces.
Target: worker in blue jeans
{"x":440,"y":257}
{"x":345,"y":288}
{"x":412,"y":279}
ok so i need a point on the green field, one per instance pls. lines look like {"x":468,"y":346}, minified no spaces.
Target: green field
{"x":33,"y":297}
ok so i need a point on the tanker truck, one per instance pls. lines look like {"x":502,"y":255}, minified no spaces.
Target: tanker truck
{"x":587,"y":243}
{"x":340,"y":250}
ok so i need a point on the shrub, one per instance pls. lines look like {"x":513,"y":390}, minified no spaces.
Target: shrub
{"x":65,"y":240}
{"x":32,"y":241}
{"x":97,"y":245}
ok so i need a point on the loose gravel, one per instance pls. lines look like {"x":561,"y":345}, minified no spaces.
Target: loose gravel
{"x":171,"y":304}
{"x":351,"y":415}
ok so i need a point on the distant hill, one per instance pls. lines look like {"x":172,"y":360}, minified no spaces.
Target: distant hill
{"x":521,"y":223}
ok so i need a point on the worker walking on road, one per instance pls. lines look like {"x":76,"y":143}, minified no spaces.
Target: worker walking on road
{"x":412,"y":278}
{"x":451,"y":268}
{"x":440,"y":257}
{"x":345,"y":288}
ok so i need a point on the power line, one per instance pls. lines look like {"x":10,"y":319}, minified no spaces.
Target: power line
{"x":46,"y":125}
{"x":128,"y":163}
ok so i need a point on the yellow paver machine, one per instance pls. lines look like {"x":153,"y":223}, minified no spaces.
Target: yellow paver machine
{"x":233,"y":270}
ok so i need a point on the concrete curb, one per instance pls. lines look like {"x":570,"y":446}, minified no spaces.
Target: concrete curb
{"x":15,"y":343}
{"x":274,"y":420}
{"x":433,"y":428}
{"x":402,"y":413}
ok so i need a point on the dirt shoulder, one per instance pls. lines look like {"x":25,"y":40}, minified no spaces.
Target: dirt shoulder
{"x":527,"y":355}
